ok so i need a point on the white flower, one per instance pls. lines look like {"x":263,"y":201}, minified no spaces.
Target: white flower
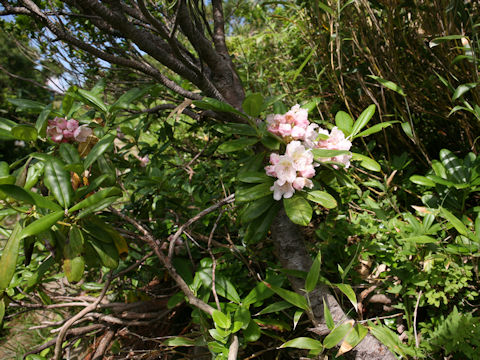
{"x":301,"y":157}
{"x":286,"y":190}
{"x":285,"y":169}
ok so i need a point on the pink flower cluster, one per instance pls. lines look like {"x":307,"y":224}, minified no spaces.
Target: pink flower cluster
{"x":63,"y":130}
{"x":295,"y":169}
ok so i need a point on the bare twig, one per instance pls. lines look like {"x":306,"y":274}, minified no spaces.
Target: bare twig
{"x":72,"y":320}
{"x":71,"y":332}
{"x":152,"y":242}
{"x":172,"y":239}
{"x":233,"y":349}
{"x":415,"y":319}
{"x":103,"y":346}
{"x":214,"y":261}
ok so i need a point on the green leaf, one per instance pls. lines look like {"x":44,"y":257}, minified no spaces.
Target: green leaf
{"x":258,"y":228}
{"x":42,"y":224}
{"x":256,"y":208}
{"x":325,"y":153}
{"x":422,"y":180}
{"x":29,"y":197}
{"x":366,"y":162}
{"x":94,"y":199}
{"x":42,"y":269}
{"x":302,"y":65}
{"x":344,"y":122}
{"x":6,"y":129}
{"x":221,"y":319}
{"x":223,"y":286}
{"x":453,"y":165}
{"x":313,"y":273}
{"x":216,"y":105}
{"x":102,"y":204}
{"x":375,"y":128}
{"x":456,"y":222}
{"x":290,"y":296}
{"x":261,"y":291}
{"x":349,"y":293}
{"x":107,"y":253}
{"x":326,"y":8}
{"x":296,"y":317}
{"x":388,"y":84}
{"x":57,"y":180}
{"x":238,"y":129}
{"x":236,"y":145}
{"x":242,"y":315}
{"x":328,"y":316}
{"x":92,"y":99}
{"x":8,"y":261}
{"x":7,"y":180}
{"x":253,"y":192}
{"x":69,"y":153}
{"x":2,"y":311}
{"x":298,"y":210}
{"x":252,"y":332}
{"x":253,"y":177}
{"x":179,"y":341}
{"x":449,"y":37}
{"x":4,"y":168}
{"x":421,"y":239}
{"x":74,"y":268}
{"x":27,"y":105}
{"x":407,"y":129}
{"x":303,"y":343}
{"x":323,"y":198}
{"x":253,"y":104}
{"x":74,"y":245}
{"x":354,"y":337}
{"x":275,"y":307}
{"x":462,"y":89}
{"x":24,"y":132}
{"x":337,"y":335}
{"x":98,"y":150}
{"x":363,"y":119}
{"x":124,"y":101}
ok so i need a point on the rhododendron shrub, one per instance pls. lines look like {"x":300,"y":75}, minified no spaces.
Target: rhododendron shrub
{"x":296,"y":167}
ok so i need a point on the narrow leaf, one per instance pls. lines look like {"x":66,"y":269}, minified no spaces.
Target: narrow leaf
{"x":57,"y":180}
{"x":290,"y":296}
{"x":350,"y":294}
{"x":42,"y":224}
{"x":303,"y":343}
{"x":388,"y":84}
{"x":98,"y":150}
{"x":313,"y":273}
{"x":363,"y":119}
{"x":8,"y":261}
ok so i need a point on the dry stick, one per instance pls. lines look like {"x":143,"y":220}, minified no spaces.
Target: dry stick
{"x":103,"y":346}
{"x":233,"y":349}
{"x":415,"y":319}
{"x":174,"y":238}
{"x":151,"y":241}
{"x":214,"y":261}
{"x":74,"y":332}
{"x":66,"y":326}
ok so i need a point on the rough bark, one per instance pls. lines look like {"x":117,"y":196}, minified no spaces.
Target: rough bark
{"x":292,"y":254}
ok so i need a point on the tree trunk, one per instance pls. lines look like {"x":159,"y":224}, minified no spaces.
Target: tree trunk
{"x":291,"y":251}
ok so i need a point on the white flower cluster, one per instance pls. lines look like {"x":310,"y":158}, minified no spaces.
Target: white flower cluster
{"x":295,"y":168}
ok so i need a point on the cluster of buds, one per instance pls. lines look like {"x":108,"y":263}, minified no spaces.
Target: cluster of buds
{"x":61,"y":130}
{"x":296,"y":167}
